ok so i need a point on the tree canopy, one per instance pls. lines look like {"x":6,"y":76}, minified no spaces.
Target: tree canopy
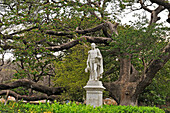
{"x":33,"y":30}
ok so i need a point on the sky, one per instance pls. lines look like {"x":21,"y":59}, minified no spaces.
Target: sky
{"x":129,"y":17}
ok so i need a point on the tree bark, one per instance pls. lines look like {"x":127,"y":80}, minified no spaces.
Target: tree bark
{"x":71,"y":44}
{"x":33,"y":86}
{"x":123,"y":89}
{"x":28,"y":98}
{"x":123,"y":93}
{"x":164,"y":3}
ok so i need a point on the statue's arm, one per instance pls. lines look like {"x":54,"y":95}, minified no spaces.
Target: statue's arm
{"x":88,"y":60}
{"x":99,"y":55}
{"x":100,"y":63}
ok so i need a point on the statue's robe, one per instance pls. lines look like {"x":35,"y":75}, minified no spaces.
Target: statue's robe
{"x":99,"y":62}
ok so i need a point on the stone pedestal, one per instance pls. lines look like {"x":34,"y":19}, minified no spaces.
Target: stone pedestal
{"x":94,"y":93}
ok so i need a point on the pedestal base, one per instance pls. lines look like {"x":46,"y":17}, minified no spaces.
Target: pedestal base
{"x":94,"y":93}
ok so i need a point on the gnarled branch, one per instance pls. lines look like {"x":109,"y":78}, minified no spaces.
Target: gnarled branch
{"x":112,"y":27}
{"x":28,"y":98}
{"x":75,"y":42}
{"x":35,"y":86}
{"x":97,"y":28}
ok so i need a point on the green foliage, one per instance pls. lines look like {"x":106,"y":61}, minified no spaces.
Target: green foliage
{"x":73,"y":108}
{"x":31,"y":56}
{"x":158,"y":92}
{"x":111,"y":65}
{"x":142,"y":39}
{"x":70,"y":73}
{"x":141,"y":44}
{"x":35,"y":61}
{"x":21,"y":90}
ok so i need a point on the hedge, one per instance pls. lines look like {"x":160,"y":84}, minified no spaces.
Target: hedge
{"x":13,"y":107}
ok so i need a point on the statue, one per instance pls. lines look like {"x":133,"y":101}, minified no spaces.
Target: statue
{"x":94,"y":63}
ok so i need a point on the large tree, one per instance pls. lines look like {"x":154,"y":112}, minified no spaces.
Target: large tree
{"x":46,"y":26}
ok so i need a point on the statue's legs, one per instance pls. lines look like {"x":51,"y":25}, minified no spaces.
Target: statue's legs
{"x":93,"y":71}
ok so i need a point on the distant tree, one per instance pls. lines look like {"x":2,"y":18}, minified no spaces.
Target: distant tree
{"x":70,"y":73}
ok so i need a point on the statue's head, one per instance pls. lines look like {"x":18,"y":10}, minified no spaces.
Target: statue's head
{"x":93,"y":45}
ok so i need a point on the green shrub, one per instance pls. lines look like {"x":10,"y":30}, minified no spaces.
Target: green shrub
{"x":13,"y":107}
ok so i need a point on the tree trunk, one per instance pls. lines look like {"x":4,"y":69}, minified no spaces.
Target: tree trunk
{"x":130,"y":84}
{"x":123,"y":90}
{"x":127,"y":94}
{"x":126,"y":88}
{"x":30,"y":92}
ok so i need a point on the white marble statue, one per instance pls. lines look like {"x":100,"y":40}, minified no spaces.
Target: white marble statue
{"x":94,"y":63}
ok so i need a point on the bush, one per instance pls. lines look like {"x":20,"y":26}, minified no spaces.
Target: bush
{"x":13,"y":107}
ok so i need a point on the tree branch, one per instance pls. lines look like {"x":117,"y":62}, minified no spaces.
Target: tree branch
{"x":75,"y":42}
{"x":97,"y":28}
{"x":27,"y":98}
{"x":164,"y":3}
{"x":151,"y":71}
{"x":110,"y":71}
{"x":5,"y":47}
{"x":112,"y":27}
{"x":6,"y":36}
{"x":30,"y":84}
{"x":157,"y":64}
{"x":24,"y":30}
{"x":144,"y":7}
{"x":92,"y":12}
{"x":67,"y":45}
{"x":154,"y":14}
